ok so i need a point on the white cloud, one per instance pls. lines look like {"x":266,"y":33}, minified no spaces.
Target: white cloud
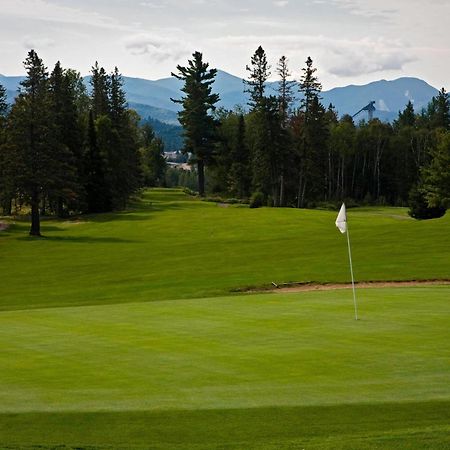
{"x":159,"y":48}
{"x":42,"y":10}
{"x":153,"y":5}
{"x":281,"y":3}
{"x":36,"y":43}
{"x":339,"y":57}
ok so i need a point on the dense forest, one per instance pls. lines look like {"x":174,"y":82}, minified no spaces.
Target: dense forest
{"x":64,"y":150}
{"x":278,"y":155}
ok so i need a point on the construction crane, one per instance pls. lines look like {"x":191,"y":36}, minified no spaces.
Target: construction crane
{"x":370,"y":108}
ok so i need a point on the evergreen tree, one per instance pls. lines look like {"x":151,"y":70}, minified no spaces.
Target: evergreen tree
{"x":269,"y":144}
{"x":259,"y":73}
{"x":436,"y":176}
{"x":310,"y":87}
{"x":98,"y":196}
{"x":239,"y":177}
{"x":407,"y":117}
{"x":32,"y":137}
{"x":5,"y":185}
{"x":312,"y":140}
{"x":3,"y":103}
{"x":441,"y":117}
{"x":100,"y":84}
{"x":69,"y":134}
{"x":199,"y":126}
{"x":285,"y":89}
{"x":153,"y":162}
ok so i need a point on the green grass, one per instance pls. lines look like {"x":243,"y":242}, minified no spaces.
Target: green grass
{"x":231,"y":372}
{"x":173,"y":247}
{"x":120,"y":331}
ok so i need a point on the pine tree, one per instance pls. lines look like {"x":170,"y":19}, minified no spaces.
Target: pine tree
{"x":442,"y":113}
{"x":259,"y":73}
{"x":269,"y":143}
{"x":153,"y":162}
{"x":285,"y":89}
{"x":310,"y":87}
{"x":312,"y":140}
{"x":100,"y":84}
{"x":240,"y":173}
{"x":98,"y":197}
{"x":199,"y":126}
{"x":3,"y":102}
{"x":407,"y":117}
{"x":436,"y":176}
{"x":5,"y":179}
{"x":69,"y":134}
{"x":32,"y":137}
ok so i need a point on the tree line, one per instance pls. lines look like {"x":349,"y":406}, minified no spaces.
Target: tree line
{"x":64,"y":150}
{"x":277,"y":154}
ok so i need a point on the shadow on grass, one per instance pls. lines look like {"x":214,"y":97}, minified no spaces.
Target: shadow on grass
{"x":79,"y":239}
{"x":237,"y":428}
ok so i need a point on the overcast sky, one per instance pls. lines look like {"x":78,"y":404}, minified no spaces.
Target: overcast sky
{"x":350,"y":41}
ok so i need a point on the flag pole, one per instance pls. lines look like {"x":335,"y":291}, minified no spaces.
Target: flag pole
{"x":351,"y":271}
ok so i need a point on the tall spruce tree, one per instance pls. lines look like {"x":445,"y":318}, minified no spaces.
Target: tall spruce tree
{"x":98,"y":196}
{"x":3,"y":102}
{"x":407,"y":117}
{"x":436,"y":175}
{"x":240,"y":174}
{"x":100,"y":84}
{"x":310,"y":87}
{"x":39,"y":157}
{"x":286,"y":86}
{"x":312,"y":139}
{"x":69,"y":134}
{"x":199,"y":125}
{"x":442,"y":112}
{"x":5,"y":191}
{"x":153,"y":162}
{"x":259,"y":73}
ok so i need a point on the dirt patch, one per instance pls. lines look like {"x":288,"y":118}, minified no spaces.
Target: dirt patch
{"x":303,"y":287}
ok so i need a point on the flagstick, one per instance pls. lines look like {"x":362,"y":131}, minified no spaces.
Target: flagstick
{"x":351,"y":271}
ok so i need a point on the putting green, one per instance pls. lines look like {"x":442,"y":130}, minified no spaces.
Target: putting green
{"x":248,"y":356}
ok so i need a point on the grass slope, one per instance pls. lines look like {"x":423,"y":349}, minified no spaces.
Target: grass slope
{"x":172,"y":247}
{"x":272,"y":371}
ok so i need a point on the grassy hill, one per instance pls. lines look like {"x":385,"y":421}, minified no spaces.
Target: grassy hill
{"x":120,"y":331}
{"x":172,"y":246}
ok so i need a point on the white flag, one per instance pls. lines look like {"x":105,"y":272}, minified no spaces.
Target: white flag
{"x":341,"y":221}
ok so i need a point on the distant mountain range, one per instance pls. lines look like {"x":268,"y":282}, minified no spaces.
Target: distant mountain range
{"x":152,"y":98}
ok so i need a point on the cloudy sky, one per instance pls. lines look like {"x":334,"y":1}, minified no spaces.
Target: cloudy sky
{"x":350,"y":41}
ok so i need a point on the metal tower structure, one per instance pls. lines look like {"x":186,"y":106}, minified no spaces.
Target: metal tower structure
{"x":370,"y":108}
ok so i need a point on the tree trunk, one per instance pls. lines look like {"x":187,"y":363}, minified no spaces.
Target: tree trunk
{"x":201,"y":177}
{"x":60,"y":208}
{"x":35,"y":218}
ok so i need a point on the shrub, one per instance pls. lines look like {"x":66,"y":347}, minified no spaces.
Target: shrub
{"x":257,"y":200}
{"x":419,"y":208}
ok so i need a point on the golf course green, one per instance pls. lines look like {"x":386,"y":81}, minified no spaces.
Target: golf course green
{"x":131,"y":331}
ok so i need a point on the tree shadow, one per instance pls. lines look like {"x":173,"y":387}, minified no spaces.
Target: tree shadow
{"x":79,"y":239}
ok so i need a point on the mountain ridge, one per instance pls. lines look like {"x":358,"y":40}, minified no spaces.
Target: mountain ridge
{"x":152,"y":98}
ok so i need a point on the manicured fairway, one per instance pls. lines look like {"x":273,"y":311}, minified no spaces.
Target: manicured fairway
{"x":127,"y":331}
{"x":173,"y":247}
{"x":257,"y":371}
